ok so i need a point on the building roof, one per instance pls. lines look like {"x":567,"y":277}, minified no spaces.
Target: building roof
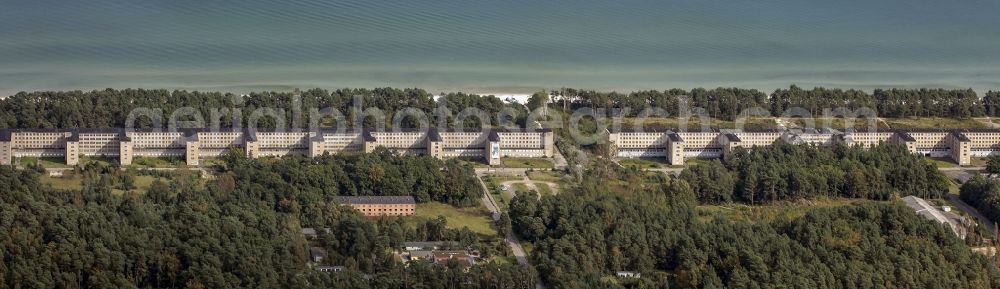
{"x":905,"y":136}
{"x":313,"y":231}
{"x":317,"y":252}
{"x":433,"y":135}
{"x":74,"y":136}
{"x":925,"y":209}
{"x":421,"y":254}
{"x":675,"y":137}
{"x":960,"y":136}
{"x":330,"y":268}
{"x":375,"y":200}
{"x":732,"y":137}
{"x":462,"y":257}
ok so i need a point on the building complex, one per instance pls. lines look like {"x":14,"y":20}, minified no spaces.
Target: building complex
{"x":378,"y":206}
{"x":196,"y":144}
{"x":958,"y":144}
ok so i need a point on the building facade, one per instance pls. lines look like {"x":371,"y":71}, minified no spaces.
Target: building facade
{"x":959,"y":145}
{"x":378,"y":206}
{"x":193,"y":145}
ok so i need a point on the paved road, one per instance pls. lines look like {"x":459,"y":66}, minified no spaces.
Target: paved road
{"x":491,"y":204}
{"x":962,"y":169}
{"x":983,"y":220}
{"x":515,"y":245}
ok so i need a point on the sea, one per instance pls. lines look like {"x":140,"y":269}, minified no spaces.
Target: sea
{"x":504,"y":47}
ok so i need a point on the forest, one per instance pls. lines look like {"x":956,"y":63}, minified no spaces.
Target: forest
{"x":239,"y":230}
{"x":382,"y":172}
{"x":604,"y":226}
{"x":984,"y":194}
{"x":789,"y":172}
{"x":728,"y":103}
{"x":111,"y":107}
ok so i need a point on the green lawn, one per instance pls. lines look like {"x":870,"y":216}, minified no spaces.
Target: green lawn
{"x":832,"y":122}
{"x":151,"y":162}
{"x":142,"y":184}
{"x":474,"y":162}
{"x":953,"y":187}
{"x":44,"y":162}
{"x":942,"y":162}
{"x":477,"y":219}
{"x":520,"y":187}
{"x":545,"y":176}
{"x":786,"y":210}
{"x":693,"y":161}
{"x":934,"y":122}
{"x":528,"y":247}
{"x":212,"y":162}
{"x":536,"y":163}
{"x":543,"y":189}
{"x":644,"y":163}
{"x":100,"y":160}
{"x":674,"y":122}
{"x":493,"y":183}
{"x":75,"y":182}
{"x":62,"y":183}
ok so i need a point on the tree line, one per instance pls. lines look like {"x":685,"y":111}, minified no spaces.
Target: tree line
{"x":791,"y":172}
{"x":380,"y":173}
{"x":582,"y":237}
{"x":984,"y":194}
{"x":111,"y":107}
{"x":729,"y":103}
{"x":239,"y":230}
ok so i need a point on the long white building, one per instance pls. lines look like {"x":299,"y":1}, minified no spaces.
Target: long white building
{"x":197,"y":144}
{"x":958,"y":144}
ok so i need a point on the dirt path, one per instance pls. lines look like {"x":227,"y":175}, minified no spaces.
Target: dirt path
{"x":531,"y":184}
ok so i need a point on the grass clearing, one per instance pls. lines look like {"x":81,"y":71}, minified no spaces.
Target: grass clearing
{"x":694,"y":122}
{"x":543,"y":189}
{"x":521,"y":187}
{"x":785,"y":210}
{"x":473,"y":162}
{"x":545,"y":176}
{"x":942,"y":162}
{"x":152,"y":162}
{"x":477,"y":219}
{"x":535,"y":163}
{"x":69,"y":182}
{"x":953,"y":187}
{"x":644,"y":163}
{"x":934,"y":122}
{"x":528,"y":247}
{"x":100,"y":160}
{"x":833,"y":122}
{"x":44,"y":162}
{"x":142,"y":184}
{"x":692,"y":161}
